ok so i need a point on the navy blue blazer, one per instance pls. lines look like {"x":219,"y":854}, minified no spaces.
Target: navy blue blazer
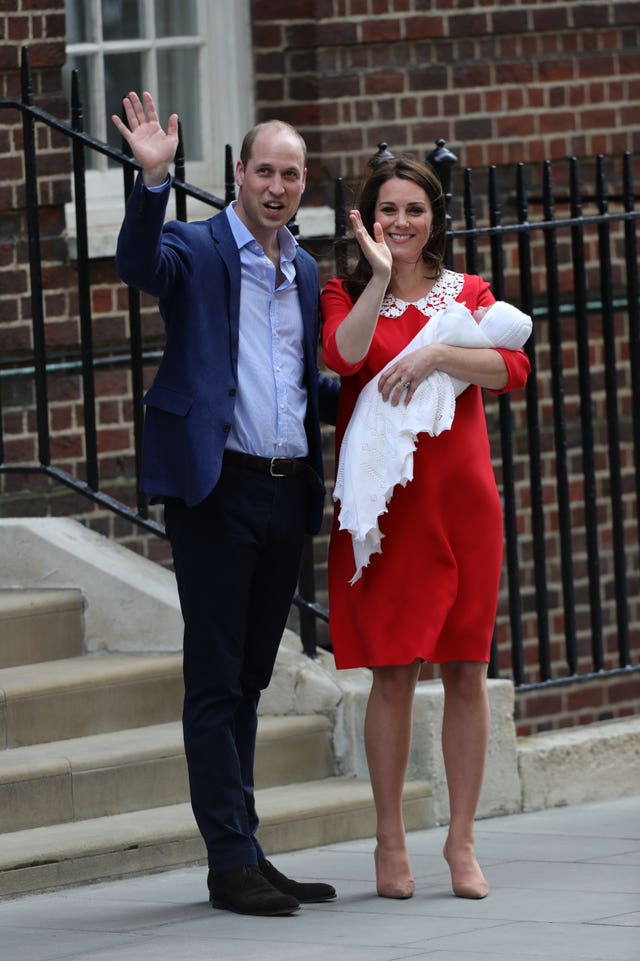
{"x":194,"y":271}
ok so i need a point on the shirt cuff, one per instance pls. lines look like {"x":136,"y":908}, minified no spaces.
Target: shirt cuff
{"x":159,"y":187}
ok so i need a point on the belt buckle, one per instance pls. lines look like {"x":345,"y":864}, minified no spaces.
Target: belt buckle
{"x":272,"y":470}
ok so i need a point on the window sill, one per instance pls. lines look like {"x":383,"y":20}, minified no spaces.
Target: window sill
{"x":103,"y":229}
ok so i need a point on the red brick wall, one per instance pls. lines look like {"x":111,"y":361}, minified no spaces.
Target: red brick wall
{"x":501,"y":82}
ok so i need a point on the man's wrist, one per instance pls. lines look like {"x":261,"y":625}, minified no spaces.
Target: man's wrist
{"x":157,"y":177}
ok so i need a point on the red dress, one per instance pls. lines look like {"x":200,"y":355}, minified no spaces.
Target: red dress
{"x":432,"y":593}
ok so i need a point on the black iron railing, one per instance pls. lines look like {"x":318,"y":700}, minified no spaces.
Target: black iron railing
{"x":552,"y":305}
{"x":515,"y":254}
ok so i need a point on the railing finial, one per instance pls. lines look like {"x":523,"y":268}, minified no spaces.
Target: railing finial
{"x":441,"y":158}
{"x":383,"y":153}
{"x":229,"y":176}
{"x":77,"y":120}
{"x":25,"y":72}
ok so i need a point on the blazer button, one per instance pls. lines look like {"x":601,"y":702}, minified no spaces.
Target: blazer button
{"x":232,"y":392}
{"x":227,"y":428}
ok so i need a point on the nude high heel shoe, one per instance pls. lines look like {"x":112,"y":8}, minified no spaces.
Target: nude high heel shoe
{"x":393,"y":880}
{"x":467,"y":879}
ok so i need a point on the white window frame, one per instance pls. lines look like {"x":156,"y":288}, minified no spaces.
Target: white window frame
{"x":225,"y":69}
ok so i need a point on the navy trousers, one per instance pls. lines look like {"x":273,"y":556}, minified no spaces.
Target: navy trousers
{"x":236,"y":559}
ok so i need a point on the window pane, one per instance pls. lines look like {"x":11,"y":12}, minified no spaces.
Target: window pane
{"x":121,"y":19}
{"x":176,"y":19}
{"x":122,"y":73}
{"x":78,"y":20}
{"x":179,"y":92}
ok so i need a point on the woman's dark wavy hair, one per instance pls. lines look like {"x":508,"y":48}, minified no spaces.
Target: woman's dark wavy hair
{"x":404,"y":168}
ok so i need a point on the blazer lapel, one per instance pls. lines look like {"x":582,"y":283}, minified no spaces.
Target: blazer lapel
{"x":308,"y":305}
{"x":226,"y":247}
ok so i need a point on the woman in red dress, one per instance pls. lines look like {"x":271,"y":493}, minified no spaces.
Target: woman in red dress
{"x":431,"y":594}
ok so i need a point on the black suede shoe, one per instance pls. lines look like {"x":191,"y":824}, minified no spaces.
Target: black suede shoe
{"x":304,"y":892}
{"x":247,"y":891}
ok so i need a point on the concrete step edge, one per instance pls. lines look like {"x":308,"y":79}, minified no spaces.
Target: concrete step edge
{"x":95,"y":751}
{"x":126,"y":745}
{"x":18,"y":602}
{"x":84,"y":672}
{"x":109,"y":774}
{"x":88,"y":695}
{"x":40,"y":846}
{"x":40,"y":625}
{"x":594,"y":762}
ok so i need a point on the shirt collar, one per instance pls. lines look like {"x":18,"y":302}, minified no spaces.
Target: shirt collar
{"x":244,"y":238}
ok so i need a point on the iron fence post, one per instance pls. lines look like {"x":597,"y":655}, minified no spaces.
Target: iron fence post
{"x":35,"y":264}
{"x":442,"y":160}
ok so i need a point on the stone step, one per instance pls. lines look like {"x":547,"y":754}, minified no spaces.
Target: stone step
{"x":292,"y":816}
{"x":40,"y":625}
{"x":104,"y":774}
{"x":81,"y":696}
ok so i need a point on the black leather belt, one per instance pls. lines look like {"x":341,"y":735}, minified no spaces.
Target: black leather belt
{"x":275,"y":466}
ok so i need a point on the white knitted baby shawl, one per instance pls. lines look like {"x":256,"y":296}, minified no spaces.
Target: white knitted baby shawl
{"x":378,"y":445}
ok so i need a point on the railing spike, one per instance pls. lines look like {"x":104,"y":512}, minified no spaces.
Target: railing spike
{"x":25,"y":75}
{"x":77,"y":119}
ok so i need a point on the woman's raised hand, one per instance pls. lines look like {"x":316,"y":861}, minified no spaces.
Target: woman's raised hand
{"x":150,"y":145}
{"x":374,"y":248}
{"x":353,"y":337}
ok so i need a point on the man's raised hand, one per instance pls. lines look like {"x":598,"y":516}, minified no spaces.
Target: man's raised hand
{"x":150,"y":145}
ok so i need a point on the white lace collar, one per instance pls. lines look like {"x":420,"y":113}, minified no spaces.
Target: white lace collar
{"x":445,"y":289}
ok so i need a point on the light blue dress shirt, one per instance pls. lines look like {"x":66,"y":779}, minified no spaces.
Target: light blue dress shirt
{"x":271,"y":402}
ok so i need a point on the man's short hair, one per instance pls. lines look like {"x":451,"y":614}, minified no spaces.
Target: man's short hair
{"x":250,"y":136}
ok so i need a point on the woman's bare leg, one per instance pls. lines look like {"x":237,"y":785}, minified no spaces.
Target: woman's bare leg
{"x":465,"y":737}
{"x":387,"y":732}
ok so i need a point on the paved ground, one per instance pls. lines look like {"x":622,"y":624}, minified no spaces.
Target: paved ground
{"x":565,"y":887}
